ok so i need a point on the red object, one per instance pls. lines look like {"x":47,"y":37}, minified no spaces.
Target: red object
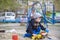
{"x":42,"y":32}
{"x":14,"y":37}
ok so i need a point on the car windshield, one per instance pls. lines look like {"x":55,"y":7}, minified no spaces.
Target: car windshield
{"x":10,"y":14}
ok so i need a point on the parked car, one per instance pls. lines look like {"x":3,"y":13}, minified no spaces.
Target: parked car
{"x":8,"y":17}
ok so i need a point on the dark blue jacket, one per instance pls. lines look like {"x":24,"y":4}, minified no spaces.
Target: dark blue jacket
{"x":32,"y":30}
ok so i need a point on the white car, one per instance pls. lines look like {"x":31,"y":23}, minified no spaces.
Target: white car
{"x":9,"y":16}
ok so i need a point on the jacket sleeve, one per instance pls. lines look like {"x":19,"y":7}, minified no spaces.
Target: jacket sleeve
{"x":42,"y":27}
{"x":45,"y":29}
{"x":29,"y":29}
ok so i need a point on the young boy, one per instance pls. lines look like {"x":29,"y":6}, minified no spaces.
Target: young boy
{"x":34,"y":26}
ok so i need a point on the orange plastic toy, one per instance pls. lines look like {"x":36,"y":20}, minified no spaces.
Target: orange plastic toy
{"x":14,"y":37}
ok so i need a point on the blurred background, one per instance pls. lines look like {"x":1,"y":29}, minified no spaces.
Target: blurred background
{"x":16,"y":10}
{"x":13,"y":17}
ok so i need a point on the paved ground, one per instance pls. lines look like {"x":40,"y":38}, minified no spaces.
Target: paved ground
{"x":54,"y":31}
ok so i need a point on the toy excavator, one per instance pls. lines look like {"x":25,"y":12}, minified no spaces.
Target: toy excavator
{"x":39,"y":36}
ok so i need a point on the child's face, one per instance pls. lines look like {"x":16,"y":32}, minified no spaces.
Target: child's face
{"x":38,"y":19}
{"x":36,"y":24}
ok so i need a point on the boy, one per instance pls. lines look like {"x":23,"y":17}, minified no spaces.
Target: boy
{"x":34,"y":26}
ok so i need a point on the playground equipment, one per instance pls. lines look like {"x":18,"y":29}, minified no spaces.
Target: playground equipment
{"x":50,"y":12}
{"x":30,"y":10}
{"x":48,"y":15}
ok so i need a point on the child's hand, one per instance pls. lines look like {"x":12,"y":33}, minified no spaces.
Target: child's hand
{"x":34,"y":34}
{"x":43,"y":33}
